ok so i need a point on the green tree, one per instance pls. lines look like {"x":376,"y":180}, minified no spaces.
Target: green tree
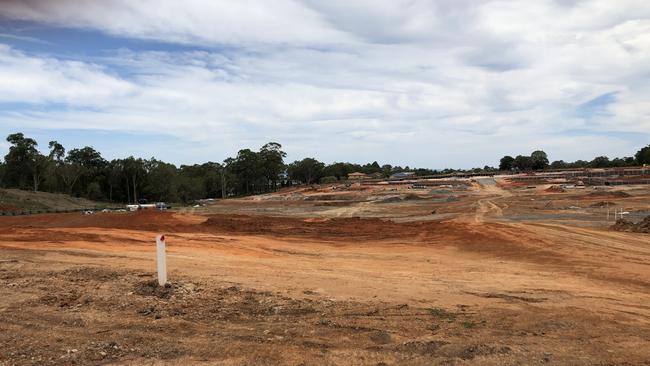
{"x":506,"y":163}
{"x":643,"y":156}
{"x":70,"y":174}
{"x":57,"y":151}
{"x":600,"y":162}
{"x":247,"y":170}
{"x":134,"y":173}
{"x":559,"y":164}
{"x":190,"y":189}
{"x":115,"y":177}
{"x":371,"y":168}
{"x":210,"y":176}
{"x":539,"y":160}
{"x":272,"y":160}
{"x":40,"y":168}
{"x":92,"y":168}
{"x":522,"y":163}
{"x":3,"y":171}
{"x":161,"y":181}
{"x":20,"y":160}
{"x":308,"y":170}
{"x":56,"y":157}
{"x":387,"y":170}
{"x":579,"y":164}
{"x":328,"y":179}
{"x":340,"y":170}
{"x":211,"y":173}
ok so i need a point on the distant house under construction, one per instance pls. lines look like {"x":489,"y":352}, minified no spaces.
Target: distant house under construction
{"x":357,"y":176}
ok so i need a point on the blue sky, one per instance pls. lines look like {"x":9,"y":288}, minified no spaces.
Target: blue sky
{"x":415,"y":82}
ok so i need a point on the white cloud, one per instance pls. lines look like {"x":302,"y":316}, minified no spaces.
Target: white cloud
{"x":189,"y":21}
{"x":38,"y":80}
{"x":435,"y":83}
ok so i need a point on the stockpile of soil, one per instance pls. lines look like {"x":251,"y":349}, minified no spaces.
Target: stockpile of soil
{"x":332,"y":197}
{"x":288,"y":226}
{"x":330,"y":229}
{"x":413,"y":196}
{"x":611,"y":194}
{"x":148,"y":220}
{"x":555,"y":189}
{"x":401,"y":198}
{"x":603,"y":204}
{"x":624,"y":225}
{"x":391,"y":199}
{"x":334,"y":204}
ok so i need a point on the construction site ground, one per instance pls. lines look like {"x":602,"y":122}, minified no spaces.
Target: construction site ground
{"x":483,"y":272}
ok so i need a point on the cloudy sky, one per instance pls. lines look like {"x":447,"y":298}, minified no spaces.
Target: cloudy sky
{"x":448,"y":83}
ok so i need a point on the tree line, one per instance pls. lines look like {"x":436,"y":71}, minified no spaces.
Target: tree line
{"x":538,"y":160}
{"x":83,"y":172}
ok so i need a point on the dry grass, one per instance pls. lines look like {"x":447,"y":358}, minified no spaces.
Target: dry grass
{"x":18,"y":200}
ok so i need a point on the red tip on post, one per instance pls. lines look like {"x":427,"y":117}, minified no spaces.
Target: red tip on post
{"x":162,"y":238}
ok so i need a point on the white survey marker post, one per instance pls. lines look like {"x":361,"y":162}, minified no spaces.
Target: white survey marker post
{"x":161,"y":260}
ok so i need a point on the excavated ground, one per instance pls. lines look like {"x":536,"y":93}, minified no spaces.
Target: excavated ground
{"x":417,"y":280}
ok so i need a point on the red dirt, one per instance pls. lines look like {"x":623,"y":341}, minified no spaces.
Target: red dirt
{"x":146,"y":220}
{"x":470,"y":289}
{"x":555,"y":189}
{"x":606,"y":195}
{"x":326,"y":229}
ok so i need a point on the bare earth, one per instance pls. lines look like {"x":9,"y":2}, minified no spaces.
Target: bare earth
{"x":478,"y":274}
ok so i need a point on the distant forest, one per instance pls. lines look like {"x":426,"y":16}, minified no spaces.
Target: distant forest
{"x":538,"y":160}
{"x":83,"y":172}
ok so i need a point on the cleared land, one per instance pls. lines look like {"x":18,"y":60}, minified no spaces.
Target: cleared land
{"x":16,"y":200}
{"x":477,"y":272}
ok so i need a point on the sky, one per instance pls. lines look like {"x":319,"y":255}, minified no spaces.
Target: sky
{"x":426,"y":83}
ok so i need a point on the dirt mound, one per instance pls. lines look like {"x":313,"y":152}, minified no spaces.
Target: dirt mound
{"x":627,"y":226}
{"x":286,"y":226}
{"x":412,"y":197}
{"x":610,"y":194}
{"x":401,"y":198}
{"x":334,"y":204}
{"x":331,"y":197}
{"x":555,"y":189}
{"x":147,"y":220}
{"x":603,"y":204}
{"x":151,"y":288}
{"x":391,"y":199}
{"x":19,"y":200}
{"x":332,"y":229}
{"x":490,"y":239}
